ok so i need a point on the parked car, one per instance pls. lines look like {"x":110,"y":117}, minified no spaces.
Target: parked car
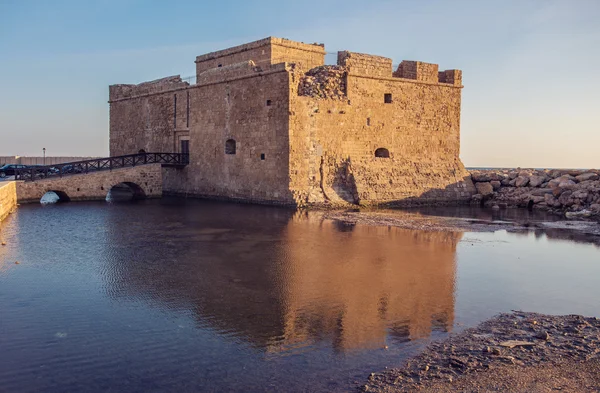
{"x":9,"y":169}
{"x":42,"y":171}
{"x":71,"y":169}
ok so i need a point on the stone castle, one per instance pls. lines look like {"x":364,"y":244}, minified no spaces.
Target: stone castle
{"x":269,"y":122}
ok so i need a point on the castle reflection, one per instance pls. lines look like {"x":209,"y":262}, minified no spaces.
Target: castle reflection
{"x":280,"y":280}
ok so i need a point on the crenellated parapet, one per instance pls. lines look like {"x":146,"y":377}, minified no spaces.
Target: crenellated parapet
{"x":381,"y":67}
{"x":370,"y":65}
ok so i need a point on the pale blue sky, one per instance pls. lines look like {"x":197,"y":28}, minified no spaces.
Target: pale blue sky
{"x":530,"y":68}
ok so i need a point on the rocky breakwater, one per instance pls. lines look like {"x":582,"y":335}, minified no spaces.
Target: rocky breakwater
{"x":573,"y":193}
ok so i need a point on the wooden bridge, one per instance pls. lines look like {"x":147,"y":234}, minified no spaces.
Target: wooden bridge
{"x":93,"y":179}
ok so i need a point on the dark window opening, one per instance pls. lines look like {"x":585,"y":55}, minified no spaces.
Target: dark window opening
{"x":387,"y":98}
{"x":230,"y":147}
{"x":269,"y":102}
{"x":382,"y":152}
{"x":141,"y":151}
{"x":220,"y":65}
{"x":262,"y":156}
{"x":187,"y":121}
{"x":185,"y":150}
{"x":368,"y":121}
{"x":175,"y":111}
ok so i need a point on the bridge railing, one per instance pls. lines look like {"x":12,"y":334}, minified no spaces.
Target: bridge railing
{"x":37,"y":172}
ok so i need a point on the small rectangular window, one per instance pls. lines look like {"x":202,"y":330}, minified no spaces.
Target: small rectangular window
{"x":262,"y":156}
{"x":368,"y":121}
{"x":387,"y":98}
{"x":269,"y":102}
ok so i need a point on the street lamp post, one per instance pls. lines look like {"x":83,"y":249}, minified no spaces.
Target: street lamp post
{"x":44,"y":150}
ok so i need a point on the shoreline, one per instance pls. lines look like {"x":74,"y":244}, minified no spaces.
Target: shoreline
{"x":511,"y":352}
{"x":576,"y":230}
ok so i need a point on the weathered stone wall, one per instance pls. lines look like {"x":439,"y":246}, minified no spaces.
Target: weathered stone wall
{"x":8,"y":199}
{"x":142,"y":117}
{"x":333,"y":141}
{"x":250,"y":107}
{"x":302,"y":136}
{"x":95,"y":185}
{"x":264,"y":53}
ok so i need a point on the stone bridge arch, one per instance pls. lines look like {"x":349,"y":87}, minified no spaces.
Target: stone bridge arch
{"x":144,"y":180}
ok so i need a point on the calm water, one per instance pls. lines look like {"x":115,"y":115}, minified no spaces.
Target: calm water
{"x":186,"y":295}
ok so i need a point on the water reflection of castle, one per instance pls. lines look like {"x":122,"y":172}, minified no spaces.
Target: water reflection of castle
{"x":279,"y":280}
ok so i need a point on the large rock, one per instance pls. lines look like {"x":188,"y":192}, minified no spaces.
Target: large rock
{"x":485,"y":189}
{"x":566,"y":199}
{"x":521,"y":181}
{"x":496,"y":184}
{"x":536,"y":181}
{"x":550,"y":200}
{"x":538,"y":199}
{"x":481,"y":176}
{"x":555,"y":182}
{"x":587,"y":176}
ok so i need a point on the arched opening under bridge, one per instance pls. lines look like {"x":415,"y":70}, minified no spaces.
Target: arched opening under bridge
{"x":125,"y":191}
{"x":54,"y":196}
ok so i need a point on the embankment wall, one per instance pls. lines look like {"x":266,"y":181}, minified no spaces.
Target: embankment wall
{"x":8,"y":199}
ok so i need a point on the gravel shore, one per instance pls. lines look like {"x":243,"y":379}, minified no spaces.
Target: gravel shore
{"x":515,"y":352}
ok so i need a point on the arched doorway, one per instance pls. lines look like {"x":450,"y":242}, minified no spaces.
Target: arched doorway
{"x":125,"y":191}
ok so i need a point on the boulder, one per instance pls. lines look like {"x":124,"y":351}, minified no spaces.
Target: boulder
{"x":481,"y":177}
{"x":581,"y":194}
{"x":578,"y":214}
{"x":538,"y":199}
{"x":587,"y":176}
{"x":524,"y":173}
{"x":476,"y":199}
{"x":541,"y":191}
{"x":513,"y":175}
{"x":536,"y":181}
{"x":555,"y":182}
{"x":566,"y":184}
{"x":496,"y":184}
{"x":595,"y":208}
{"x":550,"y":200}
{"x":506,"y":181}
{"x":521,"y":181}
{"x":485,"y":188}
{"x":566,"y":199}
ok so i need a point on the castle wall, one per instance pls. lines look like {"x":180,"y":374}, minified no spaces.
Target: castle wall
{"x":142,"y":117}
{"x":264,"y":53}
{"x":334,"y":139}
{"x":302,"y":136}
{"x":237,"y":103}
